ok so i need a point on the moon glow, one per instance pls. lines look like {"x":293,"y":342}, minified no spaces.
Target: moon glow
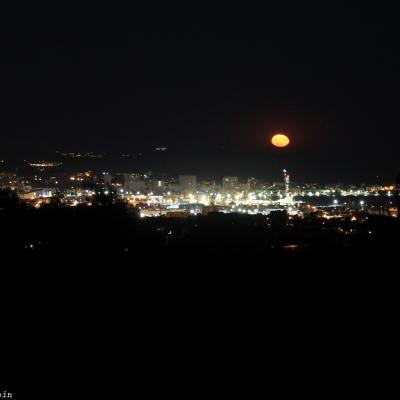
{"x":280,"y":140}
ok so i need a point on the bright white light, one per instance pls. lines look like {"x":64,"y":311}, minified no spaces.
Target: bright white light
{"x":362,"y":202}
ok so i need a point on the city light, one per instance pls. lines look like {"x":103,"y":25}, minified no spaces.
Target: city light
{"x":168,"y":196}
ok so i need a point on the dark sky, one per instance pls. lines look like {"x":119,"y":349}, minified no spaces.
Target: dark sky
{"x":211,"y":81}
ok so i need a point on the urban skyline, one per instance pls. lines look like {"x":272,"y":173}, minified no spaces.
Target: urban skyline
{"x":169,"y":123}
{"x":155,"y":194}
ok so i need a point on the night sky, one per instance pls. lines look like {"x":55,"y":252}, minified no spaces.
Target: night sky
{"x":211,"y":81}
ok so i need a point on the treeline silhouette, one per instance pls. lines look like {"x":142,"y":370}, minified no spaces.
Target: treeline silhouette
{"x":111,"y":233}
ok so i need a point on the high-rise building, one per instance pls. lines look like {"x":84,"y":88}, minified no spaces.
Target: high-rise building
{"x":157,"y":186}
{"x":230,"y":184}
{"x":252,"y":183}
{"x":187,"y":183}
{"x":288,"y":199}
{"x":107,"y":179}
{"x":286,"y":179}
{"x":134,"y":183}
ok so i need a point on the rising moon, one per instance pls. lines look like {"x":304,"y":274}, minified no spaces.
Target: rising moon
{"x":280,"y":140}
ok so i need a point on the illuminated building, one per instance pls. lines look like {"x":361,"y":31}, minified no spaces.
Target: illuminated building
{"x":286,"y":179}
{"x":158,"y":186}
{"x":287,"y":198}
{"x":134,"y":183}
{"x":107,"y":179}
{"x":230,"y":184}
{"x":8,"y":180}
{"x":45,"y":164}
{"x":251,"y":183}
{"x":187,"y":183}
{"x":22,"y":188}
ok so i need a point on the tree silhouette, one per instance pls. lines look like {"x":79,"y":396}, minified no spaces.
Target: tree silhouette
{"x":57,"y":199}
{"x":8,"y":199}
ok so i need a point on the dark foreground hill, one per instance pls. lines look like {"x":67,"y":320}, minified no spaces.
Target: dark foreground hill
{"x":114,"y":236}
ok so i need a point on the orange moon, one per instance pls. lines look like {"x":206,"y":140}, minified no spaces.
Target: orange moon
{"x":280,"y":140}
